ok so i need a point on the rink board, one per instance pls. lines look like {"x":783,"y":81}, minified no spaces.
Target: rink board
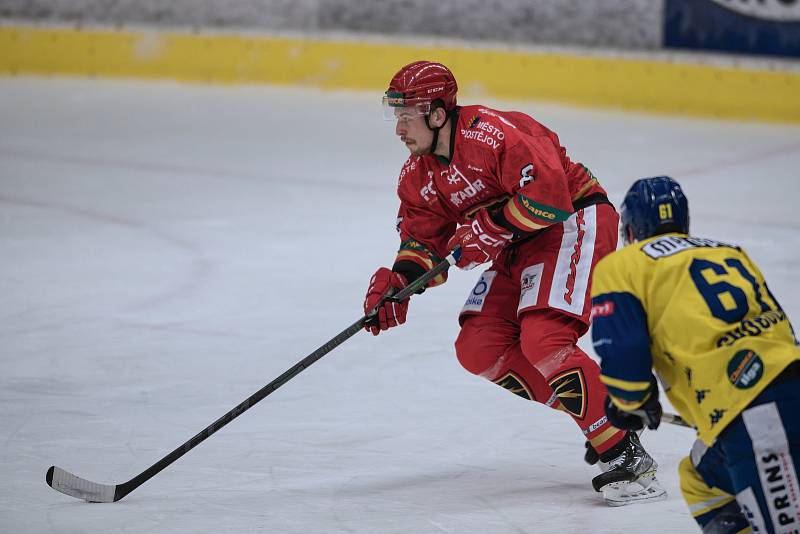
{"x":661,"y":85}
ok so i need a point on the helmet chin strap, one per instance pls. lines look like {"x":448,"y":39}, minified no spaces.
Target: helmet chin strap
{"x":435,"y":130}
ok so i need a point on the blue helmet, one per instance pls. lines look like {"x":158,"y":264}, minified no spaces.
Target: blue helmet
{"x":653,"y":206}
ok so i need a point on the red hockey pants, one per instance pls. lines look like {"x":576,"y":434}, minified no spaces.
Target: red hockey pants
{"x":522,"y":321}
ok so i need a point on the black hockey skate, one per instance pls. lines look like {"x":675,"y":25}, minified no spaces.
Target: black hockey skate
{"x":629,"y":473}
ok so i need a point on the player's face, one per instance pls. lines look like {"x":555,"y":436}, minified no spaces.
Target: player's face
{"x":413,"y":132}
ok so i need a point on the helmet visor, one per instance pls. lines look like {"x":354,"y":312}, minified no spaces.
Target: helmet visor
{"x":396,"y":107}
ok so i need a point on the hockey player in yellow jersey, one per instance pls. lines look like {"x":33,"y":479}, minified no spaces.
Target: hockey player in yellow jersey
{"x":699,"y":314}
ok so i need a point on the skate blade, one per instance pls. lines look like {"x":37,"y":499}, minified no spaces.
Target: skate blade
{"x":644,"y":489}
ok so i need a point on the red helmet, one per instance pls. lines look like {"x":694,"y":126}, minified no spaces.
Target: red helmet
{"x":422,"y":82}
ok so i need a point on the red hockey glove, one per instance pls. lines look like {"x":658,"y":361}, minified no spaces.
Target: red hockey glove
{"x":480,"y":241}
{"x":390,"y":313}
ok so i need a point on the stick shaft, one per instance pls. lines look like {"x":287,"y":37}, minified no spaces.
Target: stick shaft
{"x":123,"y":489}
{"x":674,"y":419}
{"x":666,"y":417}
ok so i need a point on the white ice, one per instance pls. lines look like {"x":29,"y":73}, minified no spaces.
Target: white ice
{"x":166,"y":250}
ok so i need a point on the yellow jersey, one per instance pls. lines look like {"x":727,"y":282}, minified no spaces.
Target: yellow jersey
{"x":699,"y":312}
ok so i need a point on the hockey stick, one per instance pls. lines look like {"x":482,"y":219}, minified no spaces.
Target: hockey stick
{"x":666,"y":417}
{"x":674,"y":419}
{"x":75,"y":486}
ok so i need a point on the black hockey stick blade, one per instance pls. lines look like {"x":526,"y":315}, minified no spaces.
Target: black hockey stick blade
{"x":80,"y":488}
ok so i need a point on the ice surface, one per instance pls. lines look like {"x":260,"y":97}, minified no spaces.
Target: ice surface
{"x":168,"y":249}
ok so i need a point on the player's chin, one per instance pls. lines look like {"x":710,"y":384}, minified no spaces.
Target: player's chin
{"x":417,"y":150}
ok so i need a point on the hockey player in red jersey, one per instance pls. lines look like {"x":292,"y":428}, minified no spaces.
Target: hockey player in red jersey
{"x":499,"y":185}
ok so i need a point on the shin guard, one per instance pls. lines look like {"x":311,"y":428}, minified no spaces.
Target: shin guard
{"x":549,"y":344}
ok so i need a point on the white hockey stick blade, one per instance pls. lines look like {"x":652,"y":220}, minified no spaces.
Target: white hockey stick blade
{"x":78,"y":487}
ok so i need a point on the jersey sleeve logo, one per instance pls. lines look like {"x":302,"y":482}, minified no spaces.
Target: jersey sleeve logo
{"x":603,"y":309}
{"x":542,"y":212}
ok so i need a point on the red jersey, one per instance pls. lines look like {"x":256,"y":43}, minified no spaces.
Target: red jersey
{"x":504,"y":161}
